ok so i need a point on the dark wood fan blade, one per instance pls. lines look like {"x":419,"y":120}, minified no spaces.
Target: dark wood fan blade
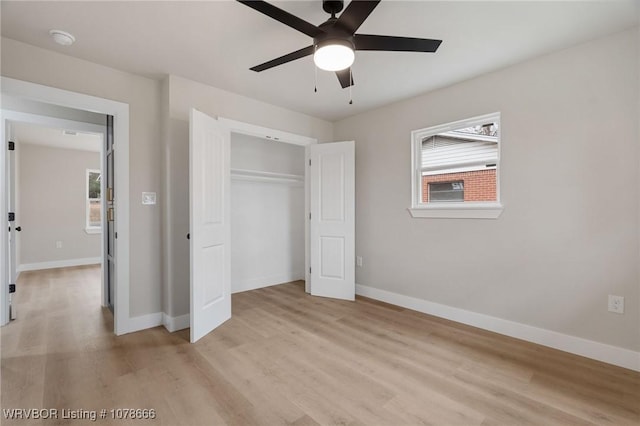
{"x":355,"y":14}
{"x":345,"y":78}
{"x":395,"y":44}
{"x":284,"y":59}
{"x":283,"y":16}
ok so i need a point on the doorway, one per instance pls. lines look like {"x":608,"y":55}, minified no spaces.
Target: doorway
{"x":56,"y":212}
{"x":27,"y":94}
{"x":267,"y":210}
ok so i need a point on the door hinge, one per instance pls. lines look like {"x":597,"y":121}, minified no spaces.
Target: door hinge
{"x":12,"y":288}
{"x":309,"y":161}
{"x":115,"y":235}
{"x":12,"y":216}
{"x":12,"y":146}
{"x":309,"y":215}
{"x":309,"y":270}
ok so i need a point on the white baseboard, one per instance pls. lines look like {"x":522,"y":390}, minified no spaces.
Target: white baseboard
{"x":156,"y":319}
{"x":260,"y":282}
{"x":175,"y":323}
{"x":143,"y":322}
{"x":59,"y":264}
{"x":576,"y":345}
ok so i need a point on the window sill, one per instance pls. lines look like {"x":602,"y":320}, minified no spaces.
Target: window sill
{"x":93,"y":230}
{"x":464,"y":211}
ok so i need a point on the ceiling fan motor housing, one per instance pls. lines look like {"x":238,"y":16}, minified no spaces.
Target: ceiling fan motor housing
{"x":332,"y":6}
{"x":333,"y":34}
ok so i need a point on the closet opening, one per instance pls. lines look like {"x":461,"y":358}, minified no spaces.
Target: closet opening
{"x":267,"y":207}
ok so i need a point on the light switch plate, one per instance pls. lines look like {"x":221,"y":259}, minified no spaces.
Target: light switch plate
{"x":148,"y":198}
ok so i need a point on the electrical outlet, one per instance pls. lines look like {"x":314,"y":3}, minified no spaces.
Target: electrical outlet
{"x":58,"y":244}
{"x":616,"y":304}
{"x":359,"y":261}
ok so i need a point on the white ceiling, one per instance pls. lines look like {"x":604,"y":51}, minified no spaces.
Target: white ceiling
{"x":55,"y":138}
{"x":215,"y":42}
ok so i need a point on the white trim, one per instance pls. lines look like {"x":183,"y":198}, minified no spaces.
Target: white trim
{"x":143,"y":322}
{"x":120,"y":112}
{"x":307,"y":211}
{"x":59,"y":264}
{"x":93,"y":230}
{"x":175,"y":323}
{"x":266,"y":177}
{"x":266,"y":133}
{"x":576,"y":345}
{"x":458,"y":211}
{"x":45,"y":121}
{"x":156,"y":319}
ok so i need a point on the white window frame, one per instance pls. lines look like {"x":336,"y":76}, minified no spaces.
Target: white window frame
{"x":88,"y":228}
{"x":461,"y":210}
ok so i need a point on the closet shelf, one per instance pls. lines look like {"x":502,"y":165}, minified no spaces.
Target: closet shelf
{"x":270,"y":177}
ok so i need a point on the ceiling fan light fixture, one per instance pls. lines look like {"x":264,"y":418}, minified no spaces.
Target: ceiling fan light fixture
{"x":334,"y":55}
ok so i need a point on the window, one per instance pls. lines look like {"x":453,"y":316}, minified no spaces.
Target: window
{"x":93,"y":202}
{"x":456,"y":169}
{"x":446,"y":191}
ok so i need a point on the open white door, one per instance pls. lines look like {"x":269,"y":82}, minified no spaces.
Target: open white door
{"x":210,"y":230}
{"x":332,"y":221}
{"x":14,"y":218}
{"x":7,"y":203}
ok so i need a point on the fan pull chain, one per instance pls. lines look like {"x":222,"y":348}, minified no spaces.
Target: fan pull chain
{"x":315,"y":79}
{"x":315,"y":73}
{"x":350,"y":86}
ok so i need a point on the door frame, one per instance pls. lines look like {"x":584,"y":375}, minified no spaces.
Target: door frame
{"x":120,"y":112}
{"x":9,"y":117}
{"x":248,"y":129}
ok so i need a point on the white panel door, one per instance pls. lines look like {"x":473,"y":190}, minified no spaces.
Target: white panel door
{"x":209,"y":229}
{"x":332,"y":221}
{"x":14,"y":226}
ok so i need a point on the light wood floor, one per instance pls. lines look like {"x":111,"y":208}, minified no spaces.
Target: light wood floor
{"x":289,"y":358}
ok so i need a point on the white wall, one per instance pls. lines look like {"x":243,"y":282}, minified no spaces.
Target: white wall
{"x":183,"y":94}
{"x":252,"y":153}
{"x":267,"y":217}
{"x":568,"y":235}
{"x":53,"y":205}
{"x":25,"y":62}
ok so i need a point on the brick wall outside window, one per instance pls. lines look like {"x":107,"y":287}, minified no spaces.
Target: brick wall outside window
{"x":479,"y":185}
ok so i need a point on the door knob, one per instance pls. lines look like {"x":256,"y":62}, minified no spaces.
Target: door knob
{"x":18,"y":228}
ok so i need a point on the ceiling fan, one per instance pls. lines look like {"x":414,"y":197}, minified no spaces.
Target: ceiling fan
{"x":335,"y":40}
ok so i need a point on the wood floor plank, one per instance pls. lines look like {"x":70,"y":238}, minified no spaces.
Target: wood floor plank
{"x":287,"y":358}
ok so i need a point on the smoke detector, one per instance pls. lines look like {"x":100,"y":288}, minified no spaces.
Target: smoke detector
{"x":63,"y":38}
